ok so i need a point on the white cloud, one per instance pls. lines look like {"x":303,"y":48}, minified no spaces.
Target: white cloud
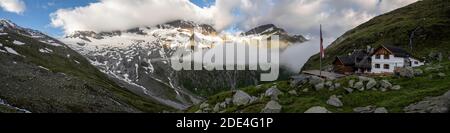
{"x":15,"y":6}
{"x":107,"y":15}
{"x":304,"y":16}
{"x":296,"y":16}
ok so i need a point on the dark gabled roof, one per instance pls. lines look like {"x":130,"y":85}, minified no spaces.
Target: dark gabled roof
{"x":396,"y":51}
{"x":358,"y":59}
{"x":346,"y":60}
{"x":364,"y":63}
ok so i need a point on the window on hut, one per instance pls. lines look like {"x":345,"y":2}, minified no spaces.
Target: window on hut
{"x":386,"y":56}
{"x":386,"y":66}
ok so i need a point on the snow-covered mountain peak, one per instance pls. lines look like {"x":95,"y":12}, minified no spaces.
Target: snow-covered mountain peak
{"x":8,"y":26}
{"x":7,"y":23}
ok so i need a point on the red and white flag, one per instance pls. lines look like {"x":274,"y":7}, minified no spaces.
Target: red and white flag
{"x":322,"y":51}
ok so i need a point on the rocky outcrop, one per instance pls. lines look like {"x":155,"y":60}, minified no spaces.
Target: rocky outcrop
{"x":319,"y":86}
{"x":335,"y":101}
{"x":371,"y":84}
{"x":241,"y":98}
{"x":385,"y":84}
{"x":273,"y":92}
{"x":359,"y":85}
{"x":440,"y":104}
{"x":351,"y":83}
{"x":272,"y":107}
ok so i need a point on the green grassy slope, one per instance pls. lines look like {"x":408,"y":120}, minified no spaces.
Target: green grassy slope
{"x":430,"y":17}
{"x":412,"y":91}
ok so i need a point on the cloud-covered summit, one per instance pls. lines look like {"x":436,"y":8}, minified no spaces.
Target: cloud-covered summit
{"x":296,"y":16}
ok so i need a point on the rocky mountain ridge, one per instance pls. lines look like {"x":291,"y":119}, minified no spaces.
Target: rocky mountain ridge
{"x":40,"y":74}
{"x":141,"y":57}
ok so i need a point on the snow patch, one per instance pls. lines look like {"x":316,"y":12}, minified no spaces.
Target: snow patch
{"x":18,"y":43}
{"x":12,"y":51}
{"x":3,"y":34}
{"x":44,"y":68}
{"x":46,"y":50}
{"x":51,"y":42}
{"x":137,"y":71}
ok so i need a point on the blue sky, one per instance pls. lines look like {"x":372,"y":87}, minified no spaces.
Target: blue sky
{"x":37,"y":13}
{"x":203,"y":3}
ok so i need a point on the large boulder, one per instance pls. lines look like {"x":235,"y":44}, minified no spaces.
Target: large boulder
{"x":407,"y":72}
{"x":358,"y":85}
{"x":272,"y":107}
{"x":317,"y":109}
{"x":385,"y":84}
{"x":319,"y":86}
{"x":337,"y":85}
{"x":254,"y":99}
{"x":381,"y":110}
{"x":329,"y":84}
{"x":273,"y":92}
{"x":396,"y":87}
{"x":371,"y":84}
{"x":223,"y":105}
{"x":351,"y":83}
{"x":216,"y":108}
{"x":315,"y":80}
{"x":335,"y":101}
{"x":241,"y":98}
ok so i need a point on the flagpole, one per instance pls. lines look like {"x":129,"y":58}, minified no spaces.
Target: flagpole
{"x":321,"y":50}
